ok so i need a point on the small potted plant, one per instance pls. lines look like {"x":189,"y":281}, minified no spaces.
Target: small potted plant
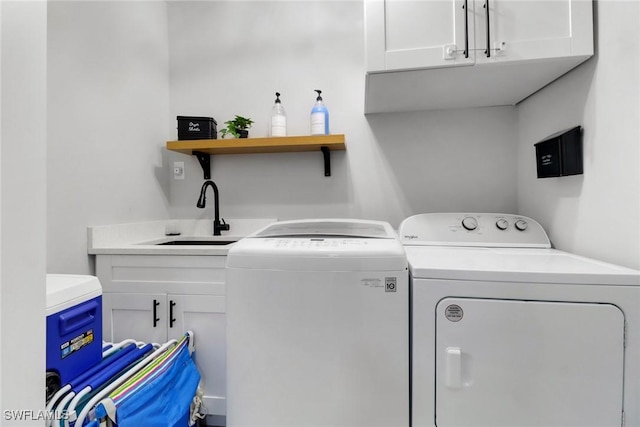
{"x":238,"y":127}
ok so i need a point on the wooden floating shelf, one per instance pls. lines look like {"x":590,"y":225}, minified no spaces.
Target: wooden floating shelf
{"x":283,"y":144}
{"x":202,"y":148}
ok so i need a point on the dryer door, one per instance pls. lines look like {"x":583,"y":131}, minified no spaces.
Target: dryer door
{"x":528,"y":363}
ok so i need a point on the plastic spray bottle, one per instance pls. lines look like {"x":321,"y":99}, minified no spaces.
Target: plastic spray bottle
{"x":319,"y":117}
{"x":278,"y":119}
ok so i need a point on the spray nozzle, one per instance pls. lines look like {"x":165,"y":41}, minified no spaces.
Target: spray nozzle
{"x":319,"y":98}
{"x":277,"y":97}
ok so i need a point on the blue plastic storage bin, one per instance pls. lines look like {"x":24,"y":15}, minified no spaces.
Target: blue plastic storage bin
{"x":74,"y":324}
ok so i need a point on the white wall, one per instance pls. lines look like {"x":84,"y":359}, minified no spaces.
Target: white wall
{"x":22,"y":208}
{"x":120,"y":72}
{"x":108,"y":103}
{"x":596,"y":214}
{"x":230,"y":58}
{"x":114,"y":90}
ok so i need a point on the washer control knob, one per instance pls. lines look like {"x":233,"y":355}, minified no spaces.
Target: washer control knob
{"x":502,"y":224}
{"x":470,"y":223}
{"x":521,"y":224}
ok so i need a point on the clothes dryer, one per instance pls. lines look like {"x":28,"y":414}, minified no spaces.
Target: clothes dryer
{"x":318,"y":326}
{"x":507,"y":331}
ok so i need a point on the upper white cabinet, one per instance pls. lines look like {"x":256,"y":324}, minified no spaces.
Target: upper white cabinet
{"x":402,"y":35}
{"x":427,"y":54}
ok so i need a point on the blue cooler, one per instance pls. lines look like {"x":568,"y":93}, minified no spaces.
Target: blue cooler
{"x":74,"y":324}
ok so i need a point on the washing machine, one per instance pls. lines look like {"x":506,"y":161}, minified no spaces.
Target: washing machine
{"x":318,"y":326}
{"x":507,"y":331}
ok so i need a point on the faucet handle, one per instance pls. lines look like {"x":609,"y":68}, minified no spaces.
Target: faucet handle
{"x":223,"y":225}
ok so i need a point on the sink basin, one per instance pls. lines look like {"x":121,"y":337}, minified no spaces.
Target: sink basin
{"x":197,"y":242}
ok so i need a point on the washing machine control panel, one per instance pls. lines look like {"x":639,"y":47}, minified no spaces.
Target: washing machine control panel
{"x":471,"y":223}
{"x":473,"y":229}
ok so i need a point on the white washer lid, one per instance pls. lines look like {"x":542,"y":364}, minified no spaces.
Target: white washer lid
{"x":66,"y":290}
{"x":321,"y":245}
{"x":328,"y":227}
{"x":515,"y":265}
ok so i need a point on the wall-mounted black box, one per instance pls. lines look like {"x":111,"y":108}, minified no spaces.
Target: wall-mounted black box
{"x":560,"y":154}
{"x":197,"y":128}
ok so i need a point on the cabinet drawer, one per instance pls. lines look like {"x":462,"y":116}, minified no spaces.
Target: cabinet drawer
{"x":157,"y":273}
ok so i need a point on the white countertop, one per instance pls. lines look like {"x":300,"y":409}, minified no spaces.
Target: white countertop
{"x":142,"y":238}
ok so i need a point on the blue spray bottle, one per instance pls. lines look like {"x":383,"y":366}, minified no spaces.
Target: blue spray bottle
{"x":319,"y":117}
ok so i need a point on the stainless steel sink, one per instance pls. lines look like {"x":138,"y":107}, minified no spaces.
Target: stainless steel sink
{"x":197,"y":242}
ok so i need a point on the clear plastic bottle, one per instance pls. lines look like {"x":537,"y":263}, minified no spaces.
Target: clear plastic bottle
{"x":278,"y":119}
{"x":319,"y":117}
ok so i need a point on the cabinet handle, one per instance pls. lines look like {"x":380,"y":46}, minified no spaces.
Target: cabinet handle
{"x":171,"y":318}
{"x":486,"y":13}
{"x":466,"y":28}
{"x":155,"y":313}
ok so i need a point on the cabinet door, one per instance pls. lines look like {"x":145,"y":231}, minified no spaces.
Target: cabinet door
{"x":406,"y":34}
{"x":532,"y":29}
{"x":131,"y":316}
{"x":205,"y":316}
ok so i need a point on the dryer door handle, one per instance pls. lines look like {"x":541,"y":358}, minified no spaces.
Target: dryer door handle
{"x":453,"y":367}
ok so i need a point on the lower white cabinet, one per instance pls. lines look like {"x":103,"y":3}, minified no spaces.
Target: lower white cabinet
{"x":156,"y":298}
{"x":129,"y":315}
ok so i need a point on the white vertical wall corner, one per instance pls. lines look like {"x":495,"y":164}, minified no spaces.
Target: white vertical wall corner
{"x":108,"y":112}
{"x":23,"y":38}
{"x":596,"y":214}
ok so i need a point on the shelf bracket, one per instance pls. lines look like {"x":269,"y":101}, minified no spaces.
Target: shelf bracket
{"x":205,"y":163}
{"x":327,"y":160}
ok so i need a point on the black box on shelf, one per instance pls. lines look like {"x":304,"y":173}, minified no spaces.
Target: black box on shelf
{"x":197,"y":128}
{"x":560,"y":154}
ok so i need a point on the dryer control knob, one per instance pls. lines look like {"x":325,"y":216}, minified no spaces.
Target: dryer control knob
{"x":521,"y":224}
{"x":502,"y":224}
{"x":470,"y":223}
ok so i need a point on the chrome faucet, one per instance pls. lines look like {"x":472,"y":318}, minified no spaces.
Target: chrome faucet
{"x":202,"y":201}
